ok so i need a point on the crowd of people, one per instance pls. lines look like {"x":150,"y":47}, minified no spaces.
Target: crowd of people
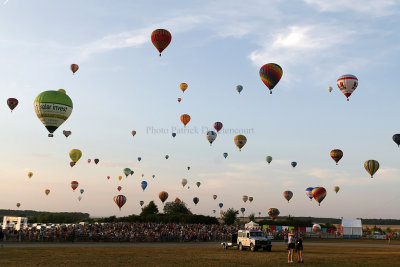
{"x":123,"y":232}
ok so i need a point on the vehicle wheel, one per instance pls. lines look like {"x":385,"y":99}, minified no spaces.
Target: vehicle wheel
{"x":268,"y":249}
{"x":240,"y":246}
{"x":253,"y":248}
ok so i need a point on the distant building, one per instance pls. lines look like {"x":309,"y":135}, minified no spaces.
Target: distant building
{"x":351,"y":228}
{"x":15,"y":223}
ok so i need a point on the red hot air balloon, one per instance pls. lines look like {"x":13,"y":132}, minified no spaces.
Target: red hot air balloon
{"x":177,"y":200}
{"x":108,"y":177}
{"x":74,"y":68}
{"x":120,"y":200}
{"x":89,"y":160}
{"x":133,"y":133}
{"x":271,"y":74}
{"x":12,"y":103}
{"x":179,"y":99}
{"x":119,"y":188}
{"x":161,"y":39}
{"x":218,"y":126}
{"x":74,"y":185}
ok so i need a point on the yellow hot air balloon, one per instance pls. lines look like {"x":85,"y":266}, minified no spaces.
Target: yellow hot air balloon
{"x":183,"y":86}
{"x":240,"y":141}
{"x":120,"y":178}
{"x":336,"y":189}
{"x":371,"y":166}
{"x":75,"y":155}
{"x":30,"y":174}
{"x":47,"y":191}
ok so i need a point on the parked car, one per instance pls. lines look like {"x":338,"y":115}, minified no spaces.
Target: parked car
{"x":254,"y":240}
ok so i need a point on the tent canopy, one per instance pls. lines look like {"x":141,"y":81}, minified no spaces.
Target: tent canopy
{"x":351,"y":223}
{"x":251,"y":225}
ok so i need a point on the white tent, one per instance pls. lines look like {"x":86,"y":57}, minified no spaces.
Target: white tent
{"x":251,"y":225}
{"x":351,"y":228}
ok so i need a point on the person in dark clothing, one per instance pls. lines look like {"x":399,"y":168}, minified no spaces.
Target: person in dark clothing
{"x":299,"y":248}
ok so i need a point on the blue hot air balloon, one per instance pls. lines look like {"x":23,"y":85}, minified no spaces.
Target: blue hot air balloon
{"x":225,"y":155}
{"x":221,"y":205}
{"x":139,"y":158}
{"x":143,"y":184}
{"x":82,"y":190}
{"x":294,"y":164}
{"x":173,"y":134}
{"x":309,"y":192}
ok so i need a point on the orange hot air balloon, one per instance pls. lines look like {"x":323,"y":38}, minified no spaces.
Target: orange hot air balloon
{"x":161,"y":39}
{"x":163,"y":196}
{"x":183,"y":87}
{"x":74,"y":68}
{"x":185,"y":118}
{"x":47,"y":192}
{"x":336,"y":155}
{"x":179,"y":99}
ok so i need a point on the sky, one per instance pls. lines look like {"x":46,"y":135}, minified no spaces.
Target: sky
{"x":123,"y":85}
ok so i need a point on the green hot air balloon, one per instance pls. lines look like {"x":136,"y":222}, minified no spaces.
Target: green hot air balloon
{"x":268,"y":159}
{"x":127,"y":171}
{"x":53,"y":108}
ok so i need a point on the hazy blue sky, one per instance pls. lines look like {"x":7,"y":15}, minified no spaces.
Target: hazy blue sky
{"x":123,"y":85}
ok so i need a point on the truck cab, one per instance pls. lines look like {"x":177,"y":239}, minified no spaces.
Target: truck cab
{"x":253,"y":239}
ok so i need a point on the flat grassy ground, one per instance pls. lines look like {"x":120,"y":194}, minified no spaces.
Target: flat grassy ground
{"x":195,"y":256}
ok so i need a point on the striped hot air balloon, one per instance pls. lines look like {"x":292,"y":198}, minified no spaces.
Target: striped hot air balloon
{"x":371,"y":166}
{"x":336,"y":155}
{"x":185,"y":118}
{"x":288,"y":195}
{"x":271,"y":74}
{"x":218,"y":126}
{"x":319,"y":193}
{"x":347,"y":84}
{"x":74,"y":185}
{"x":120,"y":200}
{"x":74,"y":68}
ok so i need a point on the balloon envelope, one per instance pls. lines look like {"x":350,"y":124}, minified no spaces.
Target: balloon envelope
{"x":163,"y":196}
{"x":214,"y":197}
{"x":211,"y":136}
{"x":309,"y":192}
{"x":185,"y":118}
{"x":198,"y":184}
{"x":67,"y":133}
{"x":273,"y":212}
{"x":75,"y":155}
{"x":127,"y":171}
{"x":336,"y":155}
{"x":74,"y":185}
{"x":319,"y":193}
{"x":74,"y":68}
{"x":294,"y":164}
{"x":218,"y":126}
{"x":30,"y":174}
{"x":183,"y":87}
{"x":396,"y":139}
{"x":195,"y":200}
{"x":225,"y":155}
{"x":161,"y":38}
{"x":245,"y":198}
{"x":336,"y":189}
{"x":240,"y":141}
{"x":96,"y":161}
{"x":141,"y":202}
{"x":221,"y":205}
{"x":288,"y":195}
{"x":183,"y":182}
{"x":239,"y":88}
{"x":347,"y":84}
{"x":268,"y":159}
{"x":371,"y":166}
{"x":270,"y":75}
{"x":143,"y":184}
{"x":120,"y":200}
{"x":12,"y":103}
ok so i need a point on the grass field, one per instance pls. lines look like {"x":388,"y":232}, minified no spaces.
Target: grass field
{"x":195,"y":256}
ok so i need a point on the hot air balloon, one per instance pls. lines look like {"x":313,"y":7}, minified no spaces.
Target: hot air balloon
{"x":30,"y":174}
{"x":133,"y":133}
{"x":119,"y":188}
{"x":319,"y":193}
{"x":336,"y":189}
{"x":143,"y":184}
{"x":330,"y":89}
{"x":183,"y":182}
{"x":82,"y":190}
{"x":75,"y":155}
{"x":294,"y":164}
{"x":183,"y":87}
{"x":195,"y":200}
{"x":177,"y":200}
{"x":221,"y":205}
{"x":74,"y":185}
{"x":218,"y":126}
{"x":198,"y":184}
{"x":396,"y":139}
{"x":89,"y":160}
{"x":139,"y":159}
{"x":188,"y":168}
{"x":273,"y":213}
{"x":173,"y":135}
{"x":74,"y":68}
{"x":239,"y":88}
{"x":211,"y":136}
{"x":268,"y":159}
{"x":240,"y":141}
{"x":309,"y":192}
{"x":127,"y":171}
{"x":67,"y":133}
{"x":120,"y":200}
{"x":166,"y":156}
{"x":142,"y":174}
{"x":179,"y":99}
{"x":271,"y":74}
{"x":316,"y":228}
{"x":108,"y":177}
{"x":79,"y":198}
{"x":53,"y":108}
{"x":214,"y":211}
{"x":153,"y":176}
{"x":251,"y":199}
{"x":163,"y":196}
{"x":132,"y":172}
{"x":288,"y":195}
{"x":120,"y":178}
{"x":141,"y":202}
{"x":371,"y":166}
{"x":18,"y":205}
{"x":161,"y":39}
{"x":185,"y":118}
{"x":72,"y":164}
{"x":47,"y":192}
{"x":225,"y":155}
{"x":347,"y":84}
{"x":242,"y":210}
{"x":214,"y":197}
{"x":245,"y":198}
{"x":336,"y":155}
{"x":12,"y":103}
{"x":96,"y":161}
